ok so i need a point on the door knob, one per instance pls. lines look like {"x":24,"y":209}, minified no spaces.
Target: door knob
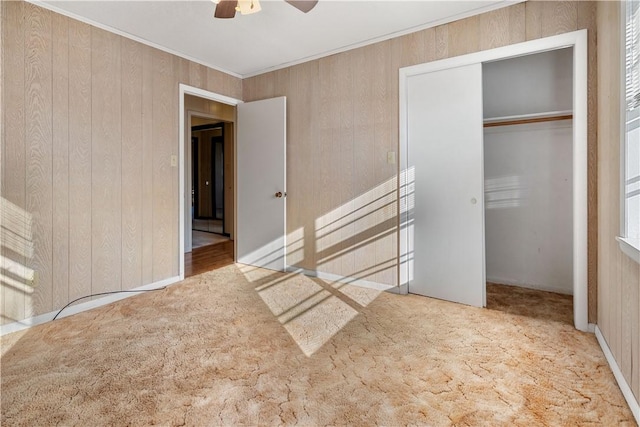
{"x":279,"y":194}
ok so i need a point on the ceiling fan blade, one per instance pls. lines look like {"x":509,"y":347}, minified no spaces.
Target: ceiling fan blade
{"x":226,"y":9}
{"x":303,"y":5}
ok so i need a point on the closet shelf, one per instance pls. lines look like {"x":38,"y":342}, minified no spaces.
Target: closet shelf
{"x":549,"y":116}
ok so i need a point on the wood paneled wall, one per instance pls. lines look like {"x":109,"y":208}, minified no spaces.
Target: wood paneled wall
{"x":618,"y":275}
{"x":343,"y":119}
{"x":90,"y":122}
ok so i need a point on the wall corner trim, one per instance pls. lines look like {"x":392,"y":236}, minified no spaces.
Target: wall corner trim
{"x":634,"y":405}
{"x":75,"y":309}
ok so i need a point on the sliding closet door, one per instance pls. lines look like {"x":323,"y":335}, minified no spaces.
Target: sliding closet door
{"x":445,"y":159}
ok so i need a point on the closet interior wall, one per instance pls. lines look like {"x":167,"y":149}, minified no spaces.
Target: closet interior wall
{"x":528,"y":171}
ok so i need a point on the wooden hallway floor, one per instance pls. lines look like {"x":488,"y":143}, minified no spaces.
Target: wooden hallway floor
{"x":207,"y":258}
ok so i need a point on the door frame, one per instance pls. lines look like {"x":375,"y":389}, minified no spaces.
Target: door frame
{"x":575,"y":39}
{"x":183,"y":90}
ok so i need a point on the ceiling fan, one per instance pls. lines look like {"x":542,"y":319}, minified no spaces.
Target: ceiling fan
{"x":228,"y":8}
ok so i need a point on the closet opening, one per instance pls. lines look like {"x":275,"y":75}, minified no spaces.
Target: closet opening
{"x":493,"y":175}
{"x":528,"y":182}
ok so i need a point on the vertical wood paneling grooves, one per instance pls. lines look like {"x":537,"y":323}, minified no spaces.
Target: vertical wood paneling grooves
{"x":174,"y":147}
{"x":492,"y":25}
{"x":296,"y":159}
{"x":196,"y":74}
{"x":327,"y":122}
{"x":429,"y":46}
{"x":307,"y":154}
{"x":608,"y":109}
{"x":364,"y":161}
{"x":334,"y":178}
{"x":146,"y":201}
{"x":559,"y":17}
{"x":184,"y":76}
{"x":309,"y":201}
{"x":384,"y":142}
{"x":442,"y":41}
{"x":162,"y":175}
{"x":60,"y":160}
{"x":533,"y":19}
{"x":236,"y":88}
{"x":612,"y":157}
{"x":14,"y":161}
{"x":214,"y":80}
{"x":412,"y":48}
{"x":392,"y":123}
{"x":106,"y":150}
{"x":587,"y":19}
{"x":80,"y":102}
{"x":464,"y":36}
{"x":268,"y":86}
{"x":248,"y":92}
{"x":38,"y":134}
{"x":517,"y":23}
{"x":131,"y":163}
{"x":345,"y":158}
{"x":281,"y":78}
{"x":604,"y":197}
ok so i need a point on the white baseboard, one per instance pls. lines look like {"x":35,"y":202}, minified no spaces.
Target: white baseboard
{"x":343,"y":279}
{"x":507,"y":282}
{"x":78,"y":308}
{"x":622,"y":383}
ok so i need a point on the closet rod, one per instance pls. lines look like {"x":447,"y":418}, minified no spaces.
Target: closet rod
{"x":529,"y":120}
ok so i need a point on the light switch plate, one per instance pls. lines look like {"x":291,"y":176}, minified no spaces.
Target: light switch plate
{"x":174,"y":161}
{"x":391,"y":157}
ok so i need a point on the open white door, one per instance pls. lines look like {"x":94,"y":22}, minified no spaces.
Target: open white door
{"x":445,"y":158}
{"x":261,"y":183}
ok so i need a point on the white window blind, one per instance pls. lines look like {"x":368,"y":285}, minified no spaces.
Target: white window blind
{"x":632,"y":55}
{"x":632,"y":121}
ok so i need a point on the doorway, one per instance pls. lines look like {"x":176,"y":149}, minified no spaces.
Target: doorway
{"x":211,"y":147}
{"x":209,"y":177}
{"x":528,"y":156}
{"x":257,"y":147}
{"x":207,"y":180}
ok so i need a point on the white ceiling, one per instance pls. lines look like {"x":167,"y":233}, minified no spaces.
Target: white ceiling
{"x":278,"y":36}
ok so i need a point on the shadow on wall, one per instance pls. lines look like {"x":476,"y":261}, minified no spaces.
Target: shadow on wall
{"x":355,"y":241}
{"x":16,"y":278}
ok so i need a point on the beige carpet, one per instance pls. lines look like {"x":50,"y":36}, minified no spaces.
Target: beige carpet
{"x":241,"y":346}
